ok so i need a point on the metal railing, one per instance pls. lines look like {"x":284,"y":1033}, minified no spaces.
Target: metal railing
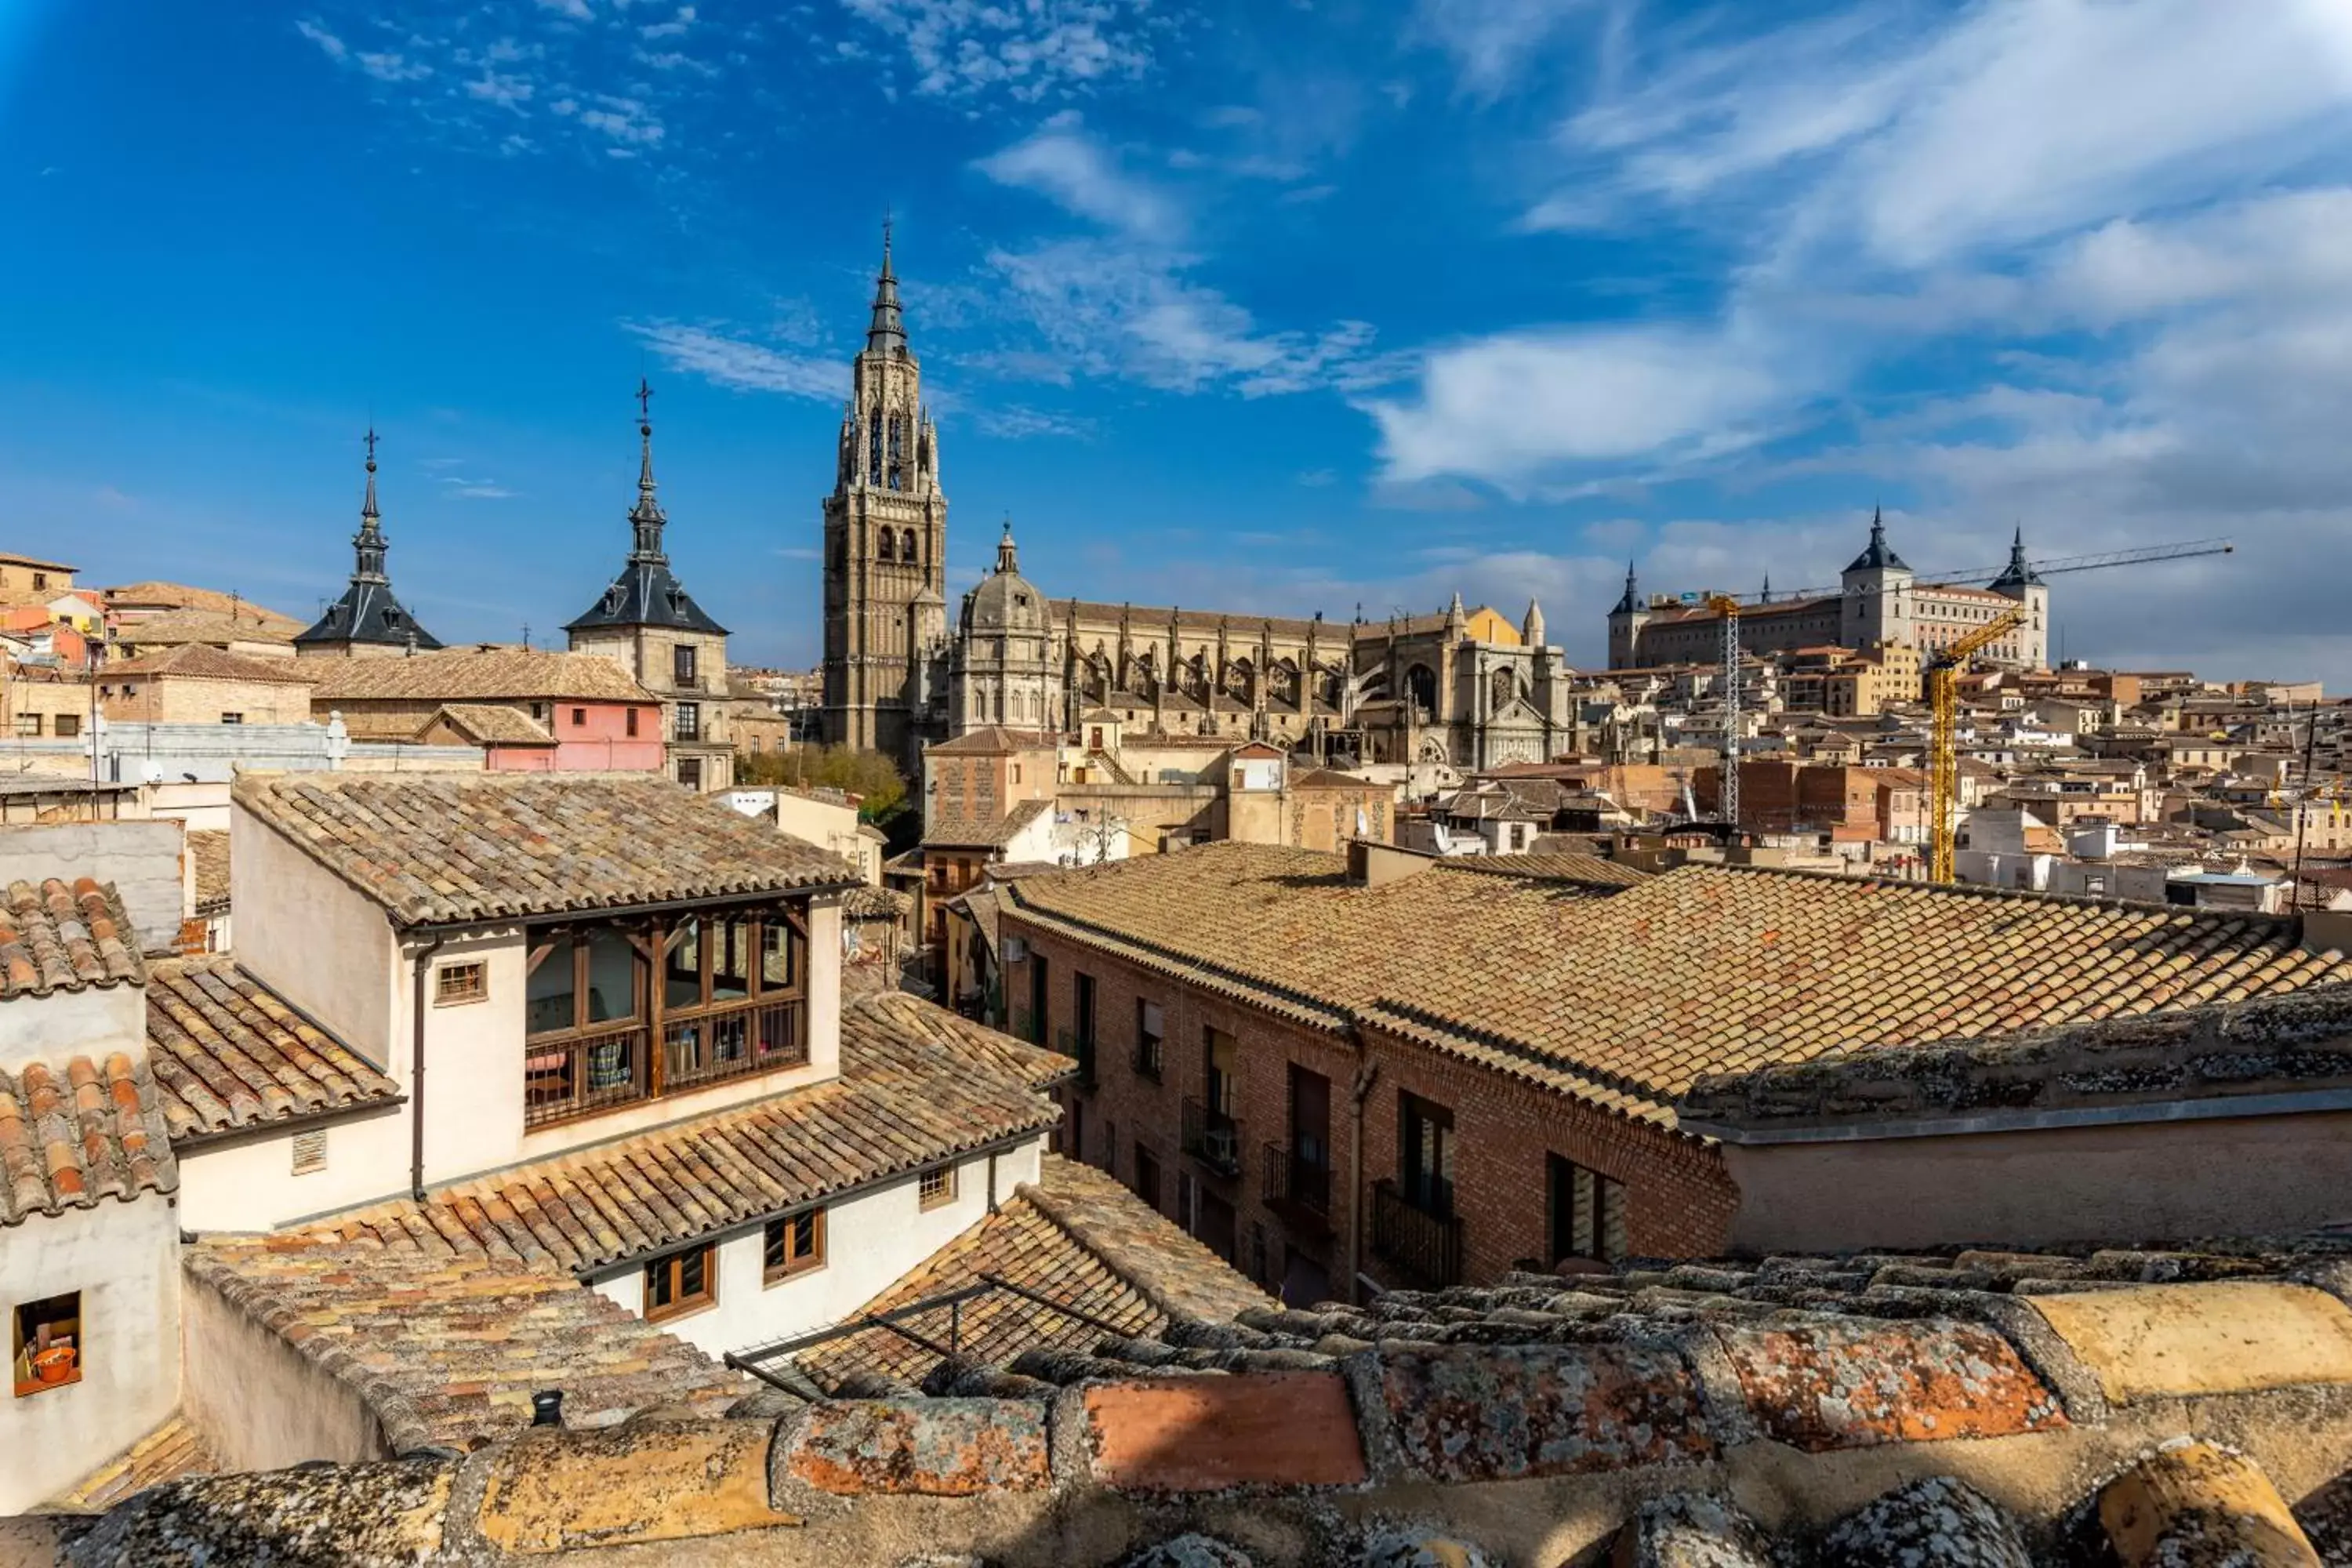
{"x":1302,"y":1184}
{"x":582,"y":1073}
{"x":1426,"y":1246}
{"x":1212,"y":1137}
{"x":719,"y":1043}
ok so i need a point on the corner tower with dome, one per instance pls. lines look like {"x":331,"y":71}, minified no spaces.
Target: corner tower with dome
{"x":1005,"y":668}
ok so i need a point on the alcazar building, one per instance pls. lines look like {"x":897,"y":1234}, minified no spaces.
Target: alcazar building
{"x":1466,"y":687}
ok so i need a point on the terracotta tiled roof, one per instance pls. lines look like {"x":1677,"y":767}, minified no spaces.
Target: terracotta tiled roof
{"x":960,"y":833}
{"x":208,"y":849}
{"x":1627,"y":1000}
{"x":917,"y":1085}
{"x":181,"y":597}
{"x":1590,"y":870}
{"x":446,"y":1352}
{"x":202,"y":661}
{"x":875,"y":904}
{"x":1076,"y":1237}
{"x":995,"y":740}
{"x":479,"y":675}
{"x":490,"y":724}
{"x":54,"y":937}
{"x":176,"y":627}
{"x":72,"y":1136}
{"x":469,"y":847}
{"x":228,"y":1053}
{"x":171,"y":1450}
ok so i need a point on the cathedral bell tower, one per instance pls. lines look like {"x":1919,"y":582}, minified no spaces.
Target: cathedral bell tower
{"x":885,"y":534}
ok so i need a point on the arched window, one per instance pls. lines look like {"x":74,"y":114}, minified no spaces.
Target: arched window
{"x":874,"y":448}
{"x":883,"y":551}
{"x":897,"y":455}
{"x":1420,"y":683}
{"x":906,"y":548}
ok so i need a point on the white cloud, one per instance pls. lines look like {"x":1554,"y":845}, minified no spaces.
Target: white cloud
{"x":392,"y":67}
{"x":674,"y":28}
{"x":625,"y":120}
{"x":577,"y":10}
{"x":333,"y":47}
{"x":1012,"y":422}
{"x":1062,"y":163}
{"x":1031,"y":49}
{"x":505,"y":90}
{"x":739,"y":364}
{"x":1492,"y":41}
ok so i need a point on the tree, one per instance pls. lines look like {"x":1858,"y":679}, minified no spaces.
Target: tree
{"x":873,"y":778}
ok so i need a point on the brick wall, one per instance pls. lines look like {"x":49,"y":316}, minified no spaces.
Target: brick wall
{"x":1680,"y":1202}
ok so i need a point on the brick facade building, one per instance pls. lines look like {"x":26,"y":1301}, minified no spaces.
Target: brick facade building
{"x":1476,"y":1066}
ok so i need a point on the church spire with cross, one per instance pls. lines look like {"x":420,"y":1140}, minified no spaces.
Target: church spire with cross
{"x":886,"y":332}
{"x":646,"y":593}
{"x":367,"y":618}
{"x":646,"y":516}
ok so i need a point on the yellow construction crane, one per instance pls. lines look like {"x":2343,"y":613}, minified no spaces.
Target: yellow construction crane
{"x":1944,"y":763}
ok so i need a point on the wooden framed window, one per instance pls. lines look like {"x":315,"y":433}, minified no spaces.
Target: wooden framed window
{"x":69,"y":726}
{"x":633,"y":724}
{"x":1147,"y":1176}
{"x":45,"y":1344}
{"x":1150,"y":1031}
{"x":793,"y":1245}
{"x":457,"y":984}
{"x":681,"y":1282}
{"x":681,"y":664}
{"x":1587,"y":1212}
{"x":690,"y":771}
{"x":936,"y":1186}
{"x":29,"y":726}
{"x":1427,"y":1155}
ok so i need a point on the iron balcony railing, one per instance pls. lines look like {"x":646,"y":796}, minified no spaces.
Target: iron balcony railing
{"x":1425,"y":1245}
{"x":1212,"y":1137}
{"x":1299,"y":1182}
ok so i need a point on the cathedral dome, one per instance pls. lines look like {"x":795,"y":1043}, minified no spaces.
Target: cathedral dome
{"x":1005,"y":600}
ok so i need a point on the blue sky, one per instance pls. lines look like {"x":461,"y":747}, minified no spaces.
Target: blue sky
{"x":1261,"y":305}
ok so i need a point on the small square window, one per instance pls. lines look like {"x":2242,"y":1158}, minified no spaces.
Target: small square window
{"x":232,"y":718}
{"x":310,"y":1152}
{"x":793,"y":1245}
{"x":579,"y":716}
{"x":69,"y":726}
{"x":29,"y":725}
{"x":454,"y":984}
{"x":45,"y":1344}
{"x":41,"y":579}
{"x":681,"y":1282}
{"x":936,"y":1187}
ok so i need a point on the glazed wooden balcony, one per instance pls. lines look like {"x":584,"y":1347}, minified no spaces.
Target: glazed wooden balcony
{"x":582,"y":1072}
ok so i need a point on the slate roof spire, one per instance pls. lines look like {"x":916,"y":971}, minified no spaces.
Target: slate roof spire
{"x":367,"y":612}
{"x":646,"y":516}
{"x":1878,"y":556}
{"x":2019,"y":571}
{"x":1631,"y":599}
{"x":887,"y":331}
{"x":646,"y":593}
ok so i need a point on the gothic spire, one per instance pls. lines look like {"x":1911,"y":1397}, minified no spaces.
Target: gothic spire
{"x":646,"y":518}
{"x":887,"y":331}
{"x":368,"y":544}
{"x":2019,"y":571}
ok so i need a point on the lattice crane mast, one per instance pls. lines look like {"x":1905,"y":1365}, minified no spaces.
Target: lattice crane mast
{"x":1726,"y":794}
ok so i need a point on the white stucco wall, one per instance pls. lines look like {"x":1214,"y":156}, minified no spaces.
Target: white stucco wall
{"x":249,"y":1183}
{"x":124,"y":1260}
{"x":261,"y":1404}
{"x":311,"y":938}
{"x":141,"y":859}
{"x":93,"y":1023}
{"x":871,"y":1240}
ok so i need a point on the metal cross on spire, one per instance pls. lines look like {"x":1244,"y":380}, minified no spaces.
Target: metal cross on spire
{"x":645,"y":401}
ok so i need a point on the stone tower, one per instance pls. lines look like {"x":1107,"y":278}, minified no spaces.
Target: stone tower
{"x":1877,"y":604}
{"x":885,"y":534}
{"x":2019,"y":581}
{"x":1626,"y":623}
